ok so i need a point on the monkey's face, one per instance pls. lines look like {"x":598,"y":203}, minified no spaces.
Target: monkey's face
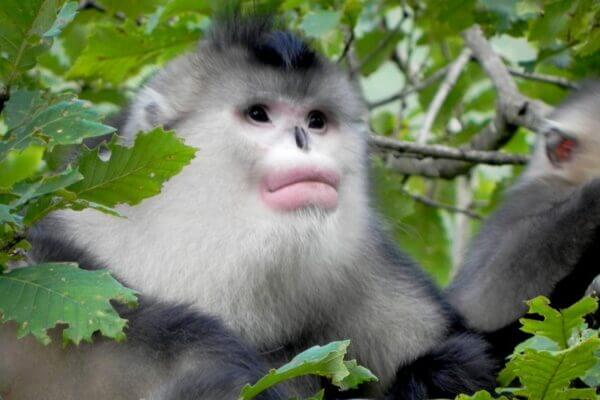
{"x":281,"y":155}
{"x":292,"y":141}
{"x":572,"y":139}
{"x":569,"y":144}
{"x":294,"y":144}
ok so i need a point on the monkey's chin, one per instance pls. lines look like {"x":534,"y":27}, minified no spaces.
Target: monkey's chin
{"x":302,"y":195}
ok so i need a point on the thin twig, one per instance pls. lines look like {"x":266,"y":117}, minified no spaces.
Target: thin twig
{"x":386,"y":40}
{"x":551,"y":79}
{"x":512,"y":110}
{"x":346,"y":47}
{"x":425,"y":83}
{"x":447,"y":84}
{"x":515,"y":108}
{"x":434,"y":204}
{"x":446,"y":152}
{"x":3,"y":98}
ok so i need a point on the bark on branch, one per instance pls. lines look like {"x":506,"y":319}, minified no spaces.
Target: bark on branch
{"x":512,"y":110}
{"x":447,"y":84}
{"x":420,"y":151}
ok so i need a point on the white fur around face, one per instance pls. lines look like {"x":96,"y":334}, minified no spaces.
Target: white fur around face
{"x":273,"y":277}
{"x":207,"y":239}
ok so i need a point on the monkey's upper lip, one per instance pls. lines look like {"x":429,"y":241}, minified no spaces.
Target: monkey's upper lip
{"x":277,"y":181}
{"x":298,"y":188}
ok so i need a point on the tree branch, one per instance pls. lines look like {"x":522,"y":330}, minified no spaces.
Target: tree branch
{"x":447,"y":84}
{"x":554,"y":80}
{"x":512,"y":110}
{"x":420,"y":151}
{"x":512,"y":105}
{"x":346,"y":47}
{"x":380,"y":46}
{"x":434,"y":204}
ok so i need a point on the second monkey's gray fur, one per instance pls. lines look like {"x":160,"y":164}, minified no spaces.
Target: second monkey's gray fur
{"x":545,"y":238}
{"x":262,"y":276}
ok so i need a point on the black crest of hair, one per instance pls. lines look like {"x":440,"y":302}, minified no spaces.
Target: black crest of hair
{"x":259,"y":35}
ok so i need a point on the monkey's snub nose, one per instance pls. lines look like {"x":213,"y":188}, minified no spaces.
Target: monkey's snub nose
{"x":301,"y":138}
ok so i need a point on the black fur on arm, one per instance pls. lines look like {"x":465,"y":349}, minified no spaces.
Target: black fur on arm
{"x":461,"y":364}
{"x":214,"y":363}
{"x":219,"y":363}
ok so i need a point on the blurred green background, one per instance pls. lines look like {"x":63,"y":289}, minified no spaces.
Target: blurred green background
{"x":391,"y":47}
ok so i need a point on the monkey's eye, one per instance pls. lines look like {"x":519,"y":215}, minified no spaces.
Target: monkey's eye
{"x":258,"y":113}
{"x":316,"y":120}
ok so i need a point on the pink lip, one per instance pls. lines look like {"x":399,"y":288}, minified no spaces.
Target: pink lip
{"x":298,"y":188}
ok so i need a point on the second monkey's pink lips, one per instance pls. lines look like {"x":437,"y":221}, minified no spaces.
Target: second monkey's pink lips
{"x":299,"y":188}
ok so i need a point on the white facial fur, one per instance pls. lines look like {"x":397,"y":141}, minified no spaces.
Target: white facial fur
{"x":210,"y":240}
{"x":216,"y":243}
{"x":580,"y":119}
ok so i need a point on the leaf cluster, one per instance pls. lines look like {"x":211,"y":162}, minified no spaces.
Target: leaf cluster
{"x":106,"y":48}
{"x":46,"y":166}
{"x":324,"y":361}
{"x":560,"y":361}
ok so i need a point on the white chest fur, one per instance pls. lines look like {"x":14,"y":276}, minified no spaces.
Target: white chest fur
{"x":231,"y":260}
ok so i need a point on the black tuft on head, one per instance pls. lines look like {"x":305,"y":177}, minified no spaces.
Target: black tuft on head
{"x":256,"y":33}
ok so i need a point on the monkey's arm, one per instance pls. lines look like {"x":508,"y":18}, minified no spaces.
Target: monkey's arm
{"x":206,"y":360}
{"x":171,"y":353}
{"x":523,"y":251}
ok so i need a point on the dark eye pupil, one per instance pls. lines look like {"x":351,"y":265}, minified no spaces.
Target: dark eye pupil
{"x":258,"y":113}
{"x":316,"y":120}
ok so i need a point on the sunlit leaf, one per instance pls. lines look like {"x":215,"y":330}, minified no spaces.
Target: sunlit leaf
{"x":131,"y":174}
{"x":115,"y":53}
{"x":39,"y":297}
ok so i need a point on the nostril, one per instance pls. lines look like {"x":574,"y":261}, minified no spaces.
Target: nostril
{"x":301,"y":138}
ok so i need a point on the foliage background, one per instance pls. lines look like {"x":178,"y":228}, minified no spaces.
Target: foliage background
{"x":434,"y":83}
{"x":394,"y":47}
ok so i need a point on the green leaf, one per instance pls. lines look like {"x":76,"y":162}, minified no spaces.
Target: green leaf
{"x":318,"y":23}
{"x":548,"y":375}
{"x":39,"y":297}
{"x":20,"y":165}
{"x":174,"y":8}
{"x":115,"y":53}
{"x":133,"y":8}
{"x":34,"y":118}
{"x":592,"y":377}
{"x":26,"y":30}
{"x":374,"y":48}
{"x":131,"y":174}
{"x":481,"y":395}
{"x":64,"y":18}
{"x":384,"y":123}
{"x":326,"y":361}
{"x":318,"y":396}
{"x":535,"y":343}
{"x":6,"y":216}
{"x":357,"y":375}
{"x":45,"y":185}
{"x":557,"y":325}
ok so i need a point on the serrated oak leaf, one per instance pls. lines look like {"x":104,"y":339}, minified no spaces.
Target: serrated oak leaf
{"x":326,"y":361}
{"x":131,"y":174}
{"x":26,"y":31}
{"x":557,"y":325}
{"x":41,"y":296}
{"x":34,"y":118}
